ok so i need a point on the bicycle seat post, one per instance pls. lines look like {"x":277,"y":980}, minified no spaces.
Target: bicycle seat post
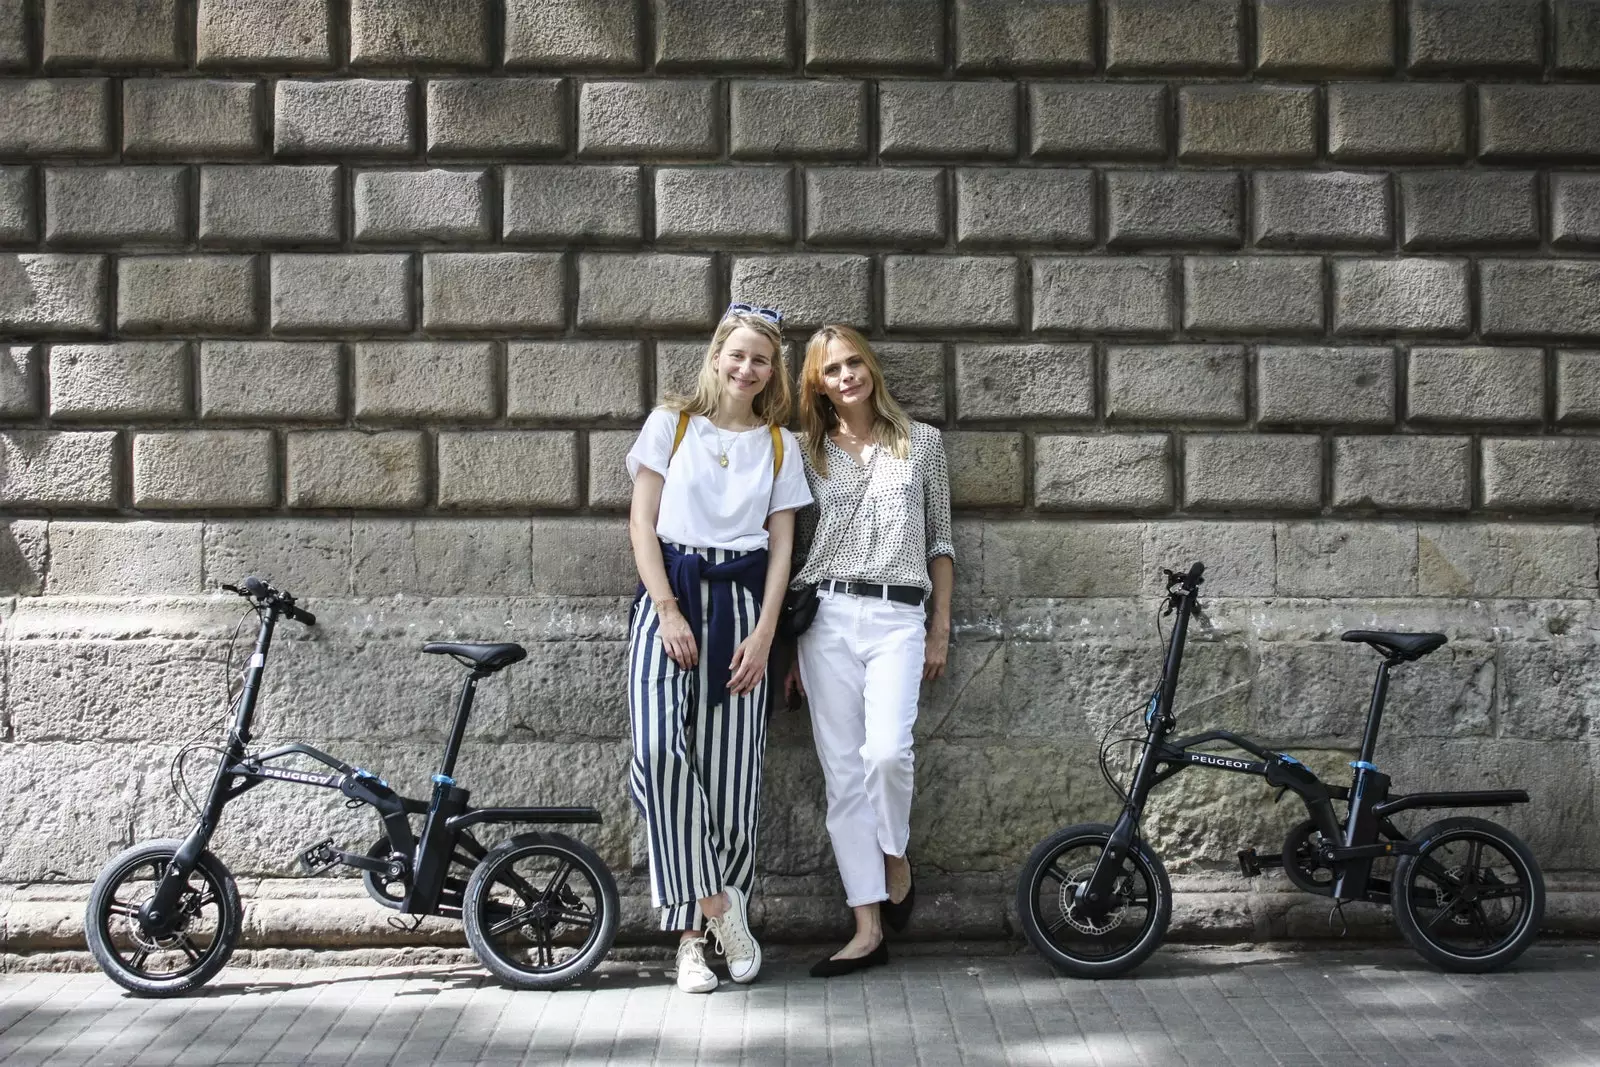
{"x":1369,"y":788}
{"x":458,"y":729}
{"x":1369,"y":737}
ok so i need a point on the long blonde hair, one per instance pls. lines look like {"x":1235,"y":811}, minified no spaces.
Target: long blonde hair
{"x":772,"y":405}
{"x":890,"y":424}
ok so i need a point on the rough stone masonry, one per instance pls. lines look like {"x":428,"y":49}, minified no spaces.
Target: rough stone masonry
{"x":369,"y":297}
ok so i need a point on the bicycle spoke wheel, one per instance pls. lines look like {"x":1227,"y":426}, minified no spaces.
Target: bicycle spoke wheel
{"x":1075,"y":942}
{"x":541,"y":910}
{"x":183,"y":953}
{"x":1472,"y":899}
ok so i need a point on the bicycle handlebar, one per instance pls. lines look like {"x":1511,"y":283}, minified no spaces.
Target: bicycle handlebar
{"x":299,"y":615}
{"x":254,"y":589}
{"x":1189,"y":580}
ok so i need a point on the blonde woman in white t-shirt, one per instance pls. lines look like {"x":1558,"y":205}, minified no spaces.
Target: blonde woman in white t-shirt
{"x":716,"y":482}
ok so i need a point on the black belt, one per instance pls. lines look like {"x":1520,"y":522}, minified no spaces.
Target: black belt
{"x":902,"y":594}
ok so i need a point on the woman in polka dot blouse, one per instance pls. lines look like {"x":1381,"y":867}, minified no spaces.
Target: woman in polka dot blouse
{"x":878,"y":546}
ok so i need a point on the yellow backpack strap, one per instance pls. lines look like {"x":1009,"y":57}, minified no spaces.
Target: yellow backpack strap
{"x":777,"y":451}
{"x":677,"y":438}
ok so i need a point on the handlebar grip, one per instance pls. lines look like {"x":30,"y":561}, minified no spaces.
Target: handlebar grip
{"x":255,"y":587}
{"x":1196,"y":571}
{"x":299,"y":615}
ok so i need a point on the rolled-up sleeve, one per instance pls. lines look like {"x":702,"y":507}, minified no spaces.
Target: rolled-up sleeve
{"x":653,"y":448}
{"x":936,"y":500}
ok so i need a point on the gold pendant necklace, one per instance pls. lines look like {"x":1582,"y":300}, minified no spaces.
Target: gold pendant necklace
{"x":723,"y":459}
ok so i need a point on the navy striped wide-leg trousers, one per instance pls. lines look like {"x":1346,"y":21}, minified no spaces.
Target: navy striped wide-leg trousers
{"x":696,"y":771}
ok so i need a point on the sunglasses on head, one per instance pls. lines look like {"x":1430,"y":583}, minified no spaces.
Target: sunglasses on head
{"x":772,"y":315}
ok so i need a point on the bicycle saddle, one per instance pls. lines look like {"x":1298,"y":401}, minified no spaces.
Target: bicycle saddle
{"x":484,"y":657}
{"x":1397,"y":645}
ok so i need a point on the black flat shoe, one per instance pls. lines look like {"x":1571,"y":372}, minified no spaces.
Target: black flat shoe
{"x":896,"y":916}
{"x":832,"y":968}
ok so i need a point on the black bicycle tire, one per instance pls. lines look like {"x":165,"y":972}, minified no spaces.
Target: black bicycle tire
{"x":482,"y":878}
{"x":1033,"y":924}
{"x":231,"y":910}
{"x":1414,"y":931}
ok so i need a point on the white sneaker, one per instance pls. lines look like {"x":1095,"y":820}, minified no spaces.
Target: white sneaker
{"x":738,"y":945}
{"x":693,"y":974}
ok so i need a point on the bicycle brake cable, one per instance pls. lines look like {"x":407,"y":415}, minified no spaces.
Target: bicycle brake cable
{"x":199,"y":741}
{"x":1106,"y":746}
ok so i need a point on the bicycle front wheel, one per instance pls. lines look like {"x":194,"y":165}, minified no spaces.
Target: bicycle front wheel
{"x":1073,"y":942}
{"x":195,"y":944}
{"x":540,"y":911}
{"x":1471,"y":900}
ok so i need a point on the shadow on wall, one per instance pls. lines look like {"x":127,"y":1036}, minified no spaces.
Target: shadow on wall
{"x":22,"y":555}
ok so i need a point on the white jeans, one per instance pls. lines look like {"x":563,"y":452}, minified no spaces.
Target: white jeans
{"x":861,"y":662}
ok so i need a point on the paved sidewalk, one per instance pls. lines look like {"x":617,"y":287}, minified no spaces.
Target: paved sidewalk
{"x":1186,"y":1006}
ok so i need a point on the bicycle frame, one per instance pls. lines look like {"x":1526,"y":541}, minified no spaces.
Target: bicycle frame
{"x":421,"y":863}
{"x":1363,"y":836}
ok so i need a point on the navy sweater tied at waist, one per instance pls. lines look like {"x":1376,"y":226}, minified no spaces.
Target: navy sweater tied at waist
{"x":685,"y":572}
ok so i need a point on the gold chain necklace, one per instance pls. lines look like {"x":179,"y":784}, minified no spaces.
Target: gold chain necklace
{"x":722,"y":454}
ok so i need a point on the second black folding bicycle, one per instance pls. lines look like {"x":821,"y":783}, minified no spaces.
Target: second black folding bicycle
{"x":1467,"y":894}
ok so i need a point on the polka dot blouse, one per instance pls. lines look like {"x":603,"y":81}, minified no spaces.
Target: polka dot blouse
{"x":903,"y":520}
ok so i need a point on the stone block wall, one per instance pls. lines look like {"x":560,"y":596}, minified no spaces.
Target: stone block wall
{"x":369,"y":297}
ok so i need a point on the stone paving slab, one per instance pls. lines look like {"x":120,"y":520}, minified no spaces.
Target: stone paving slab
{"x":1200,"y":1006}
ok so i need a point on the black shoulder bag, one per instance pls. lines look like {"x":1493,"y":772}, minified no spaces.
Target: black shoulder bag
{"x":800,"y":604}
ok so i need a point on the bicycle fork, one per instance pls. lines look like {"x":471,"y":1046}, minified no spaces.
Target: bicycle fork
{"x":156,"y":915}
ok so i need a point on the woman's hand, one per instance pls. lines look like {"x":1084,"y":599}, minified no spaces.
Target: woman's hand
{"x":676,"y":636}
{"x":794,"y":688}
{"x":936,"y":649}
{"x":750,"y":661}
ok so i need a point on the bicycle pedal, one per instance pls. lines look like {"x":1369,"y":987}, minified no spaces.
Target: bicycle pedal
{"x":319,"y":857}
{"x":1252,"y":863}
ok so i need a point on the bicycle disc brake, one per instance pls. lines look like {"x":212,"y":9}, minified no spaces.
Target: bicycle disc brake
{"x":1082,"y":923}
{"x":189,"y":906}
{"x":1445,"y":897}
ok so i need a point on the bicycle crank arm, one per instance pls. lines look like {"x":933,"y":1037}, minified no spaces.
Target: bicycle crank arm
{"x":323,"y":856}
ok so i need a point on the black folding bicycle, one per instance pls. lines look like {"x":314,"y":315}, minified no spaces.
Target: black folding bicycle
{"x":1466,"y":893}
{"x":540,"y":909}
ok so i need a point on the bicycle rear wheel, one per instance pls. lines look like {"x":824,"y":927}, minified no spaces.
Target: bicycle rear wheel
{"x":1472,"y":899}
{"x":540,"y":911}
{"x":1072,"y":941}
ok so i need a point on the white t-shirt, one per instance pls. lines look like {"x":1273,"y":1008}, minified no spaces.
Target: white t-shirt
{"x":707,"y":505}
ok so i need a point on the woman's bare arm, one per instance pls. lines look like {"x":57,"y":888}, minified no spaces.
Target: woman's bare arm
{"x":643,"y":513}
{"x":780,"y":551}
{"x":750,"y":658}
{"x":942,"y":569}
